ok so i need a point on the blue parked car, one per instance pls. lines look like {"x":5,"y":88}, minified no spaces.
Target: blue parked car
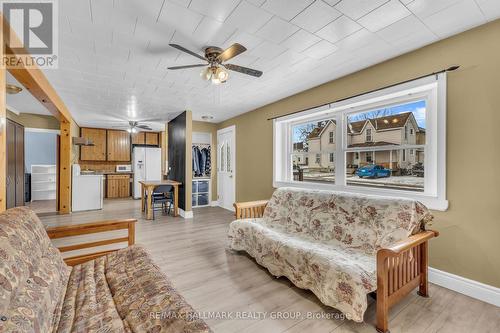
{"x":373,"y":171}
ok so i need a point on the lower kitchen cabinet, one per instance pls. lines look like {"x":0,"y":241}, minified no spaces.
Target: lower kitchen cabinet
{"x":118,"y":186}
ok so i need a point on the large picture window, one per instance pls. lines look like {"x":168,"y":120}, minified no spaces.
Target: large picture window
{"x":390,"y":142}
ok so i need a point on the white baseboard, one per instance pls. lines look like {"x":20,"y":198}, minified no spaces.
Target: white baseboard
{"x":471,"y":288}
{"x":186,"y":215}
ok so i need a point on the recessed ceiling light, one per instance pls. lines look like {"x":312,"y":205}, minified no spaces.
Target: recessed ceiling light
{"x":207,"y":117}
{"x":12,"y":89}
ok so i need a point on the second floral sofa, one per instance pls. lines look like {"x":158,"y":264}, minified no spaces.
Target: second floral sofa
{"x":341,"y":246}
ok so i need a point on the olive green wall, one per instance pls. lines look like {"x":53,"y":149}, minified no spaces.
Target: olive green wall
{"x":469,"y":244}
{"x":31,"y":120}
{"x":204,"y":127}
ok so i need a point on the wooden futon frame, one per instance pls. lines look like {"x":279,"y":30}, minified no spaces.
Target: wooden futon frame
{"x":401,"y":267}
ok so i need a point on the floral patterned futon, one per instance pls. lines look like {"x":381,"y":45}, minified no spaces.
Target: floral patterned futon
{"x":121,"y":292}
{"x":327,"y":241}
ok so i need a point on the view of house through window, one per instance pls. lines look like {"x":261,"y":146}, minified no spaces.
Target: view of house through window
{"x":380,"y":145}
{"x":384,"y":148}
{"x":313,"y":155}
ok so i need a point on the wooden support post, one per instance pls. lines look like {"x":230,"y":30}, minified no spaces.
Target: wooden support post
{"x":35,"y":82}
{"x":382,"y":296}
{"x":65,"y":168}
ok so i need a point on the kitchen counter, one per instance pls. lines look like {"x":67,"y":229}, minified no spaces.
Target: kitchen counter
{"x":103,"y":172}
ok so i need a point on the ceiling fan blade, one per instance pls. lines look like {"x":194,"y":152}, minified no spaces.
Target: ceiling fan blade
{"x":180,"y":48}
{"x":244,"y":70}
{"x":187,"y":66}
{"x":231,"y":52}
{"x":146,"y":127}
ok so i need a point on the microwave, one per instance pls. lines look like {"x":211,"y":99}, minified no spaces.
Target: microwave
{"x":124,"y":168}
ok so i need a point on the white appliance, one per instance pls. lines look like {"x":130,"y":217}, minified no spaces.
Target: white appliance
{"x":146,"y":163}
{"x":87,"y":190}
{"x":124,"y":168}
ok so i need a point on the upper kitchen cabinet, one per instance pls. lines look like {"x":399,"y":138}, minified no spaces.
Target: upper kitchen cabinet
{"x":138,"y":138}
{"x":97,"y":152}
{"x":152,"y":138}
{"x":118,"y":146}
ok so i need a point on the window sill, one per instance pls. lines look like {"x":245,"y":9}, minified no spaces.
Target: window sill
{"x":431,"y":202}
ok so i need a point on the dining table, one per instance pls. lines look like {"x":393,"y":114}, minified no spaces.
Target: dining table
{"x":147,"y":188}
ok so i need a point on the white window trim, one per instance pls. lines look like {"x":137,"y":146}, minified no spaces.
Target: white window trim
{"x":434,"y":87}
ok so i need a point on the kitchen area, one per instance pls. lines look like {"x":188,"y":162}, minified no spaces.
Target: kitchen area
{"x":111,"y":163}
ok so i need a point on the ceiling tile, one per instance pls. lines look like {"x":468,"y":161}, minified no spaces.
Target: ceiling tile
{"x":461,"y":16}
{"x":216,"y":9}
{"x":177,"y":17}
{"x":384,"y":16}
{"x":267,"y":50}
{"x":490,"y":8}
{"x":426,"y":8}
{"x":257,"y":2}
{"x":338,"y":29}
{"x":355,"y":9}
{"x":359,"y":39}
{"x":247,"y":40}
{"x":210,"y":30}
{"x":286,"y":9}
{"x":316,"y":16}
{"x":277,"y":30}
{"x":248,"y":17}
{"x":300,"y":41}
{"x":320,"y":50}
{"x":332,"y":2}
{"x":404,"y":28}
{"x":77,"y":8}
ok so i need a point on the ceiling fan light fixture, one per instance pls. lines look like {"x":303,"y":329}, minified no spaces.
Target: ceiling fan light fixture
{"x":134,"y":130}
{"x":129,"y":130}
{"x":12,"y":89}
{"x":222,"y":74}
{"x":215,"y":80}
{"x":206,"y":74}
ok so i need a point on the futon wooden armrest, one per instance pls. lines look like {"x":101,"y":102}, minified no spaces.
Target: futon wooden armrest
{"x":250,"y":209}
{"x":401,"y":268}
{"x":92,"y":228}
{"x":406,"y":244}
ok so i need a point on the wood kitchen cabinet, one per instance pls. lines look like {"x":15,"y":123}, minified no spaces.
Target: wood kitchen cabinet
{"x":97,"y":152}
{"x":152,"y":138}
{"x":118,"y":145}
{"x":138,"y":138}
{"x":118,"y":186}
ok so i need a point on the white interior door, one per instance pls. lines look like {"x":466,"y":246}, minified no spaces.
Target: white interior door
{"x":226,"y":167}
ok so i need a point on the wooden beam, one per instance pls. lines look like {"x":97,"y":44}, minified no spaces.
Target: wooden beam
{"x":34,"y":80}
{"x":64,"y":195}
{"x":3,"y":134}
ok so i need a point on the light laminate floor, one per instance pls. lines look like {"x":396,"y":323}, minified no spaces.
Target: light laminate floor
{"x":219,"y":284}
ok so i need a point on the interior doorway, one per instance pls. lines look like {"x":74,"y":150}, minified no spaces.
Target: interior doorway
{"x":226,"y":167}
{"x":41,"y":155}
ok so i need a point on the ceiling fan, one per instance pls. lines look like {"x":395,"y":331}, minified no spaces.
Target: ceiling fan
{"x":135,"y":126}
{"x":216,"y":57}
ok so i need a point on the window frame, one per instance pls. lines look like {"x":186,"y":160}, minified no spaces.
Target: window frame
{"x":368,"y":130}
{"x":432,"y":89}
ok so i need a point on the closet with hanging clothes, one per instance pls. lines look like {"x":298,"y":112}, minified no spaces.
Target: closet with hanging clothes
{"x":202,"y":169}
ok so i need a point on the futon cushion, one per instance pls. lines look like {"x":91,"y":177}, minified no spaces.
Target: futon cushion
{"x":339,"y":277}
{"x":125,"y":292}
{"x":33,"y":275}
{"x":350,"y":220}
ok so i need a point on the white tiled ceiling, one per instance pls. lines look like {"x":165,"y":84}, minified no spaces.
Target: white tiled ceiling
{"x":114,"y":54}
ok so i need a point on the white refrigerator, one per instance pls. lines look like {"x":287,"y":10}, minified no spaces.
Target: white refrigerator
{"x":146,"y":164}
